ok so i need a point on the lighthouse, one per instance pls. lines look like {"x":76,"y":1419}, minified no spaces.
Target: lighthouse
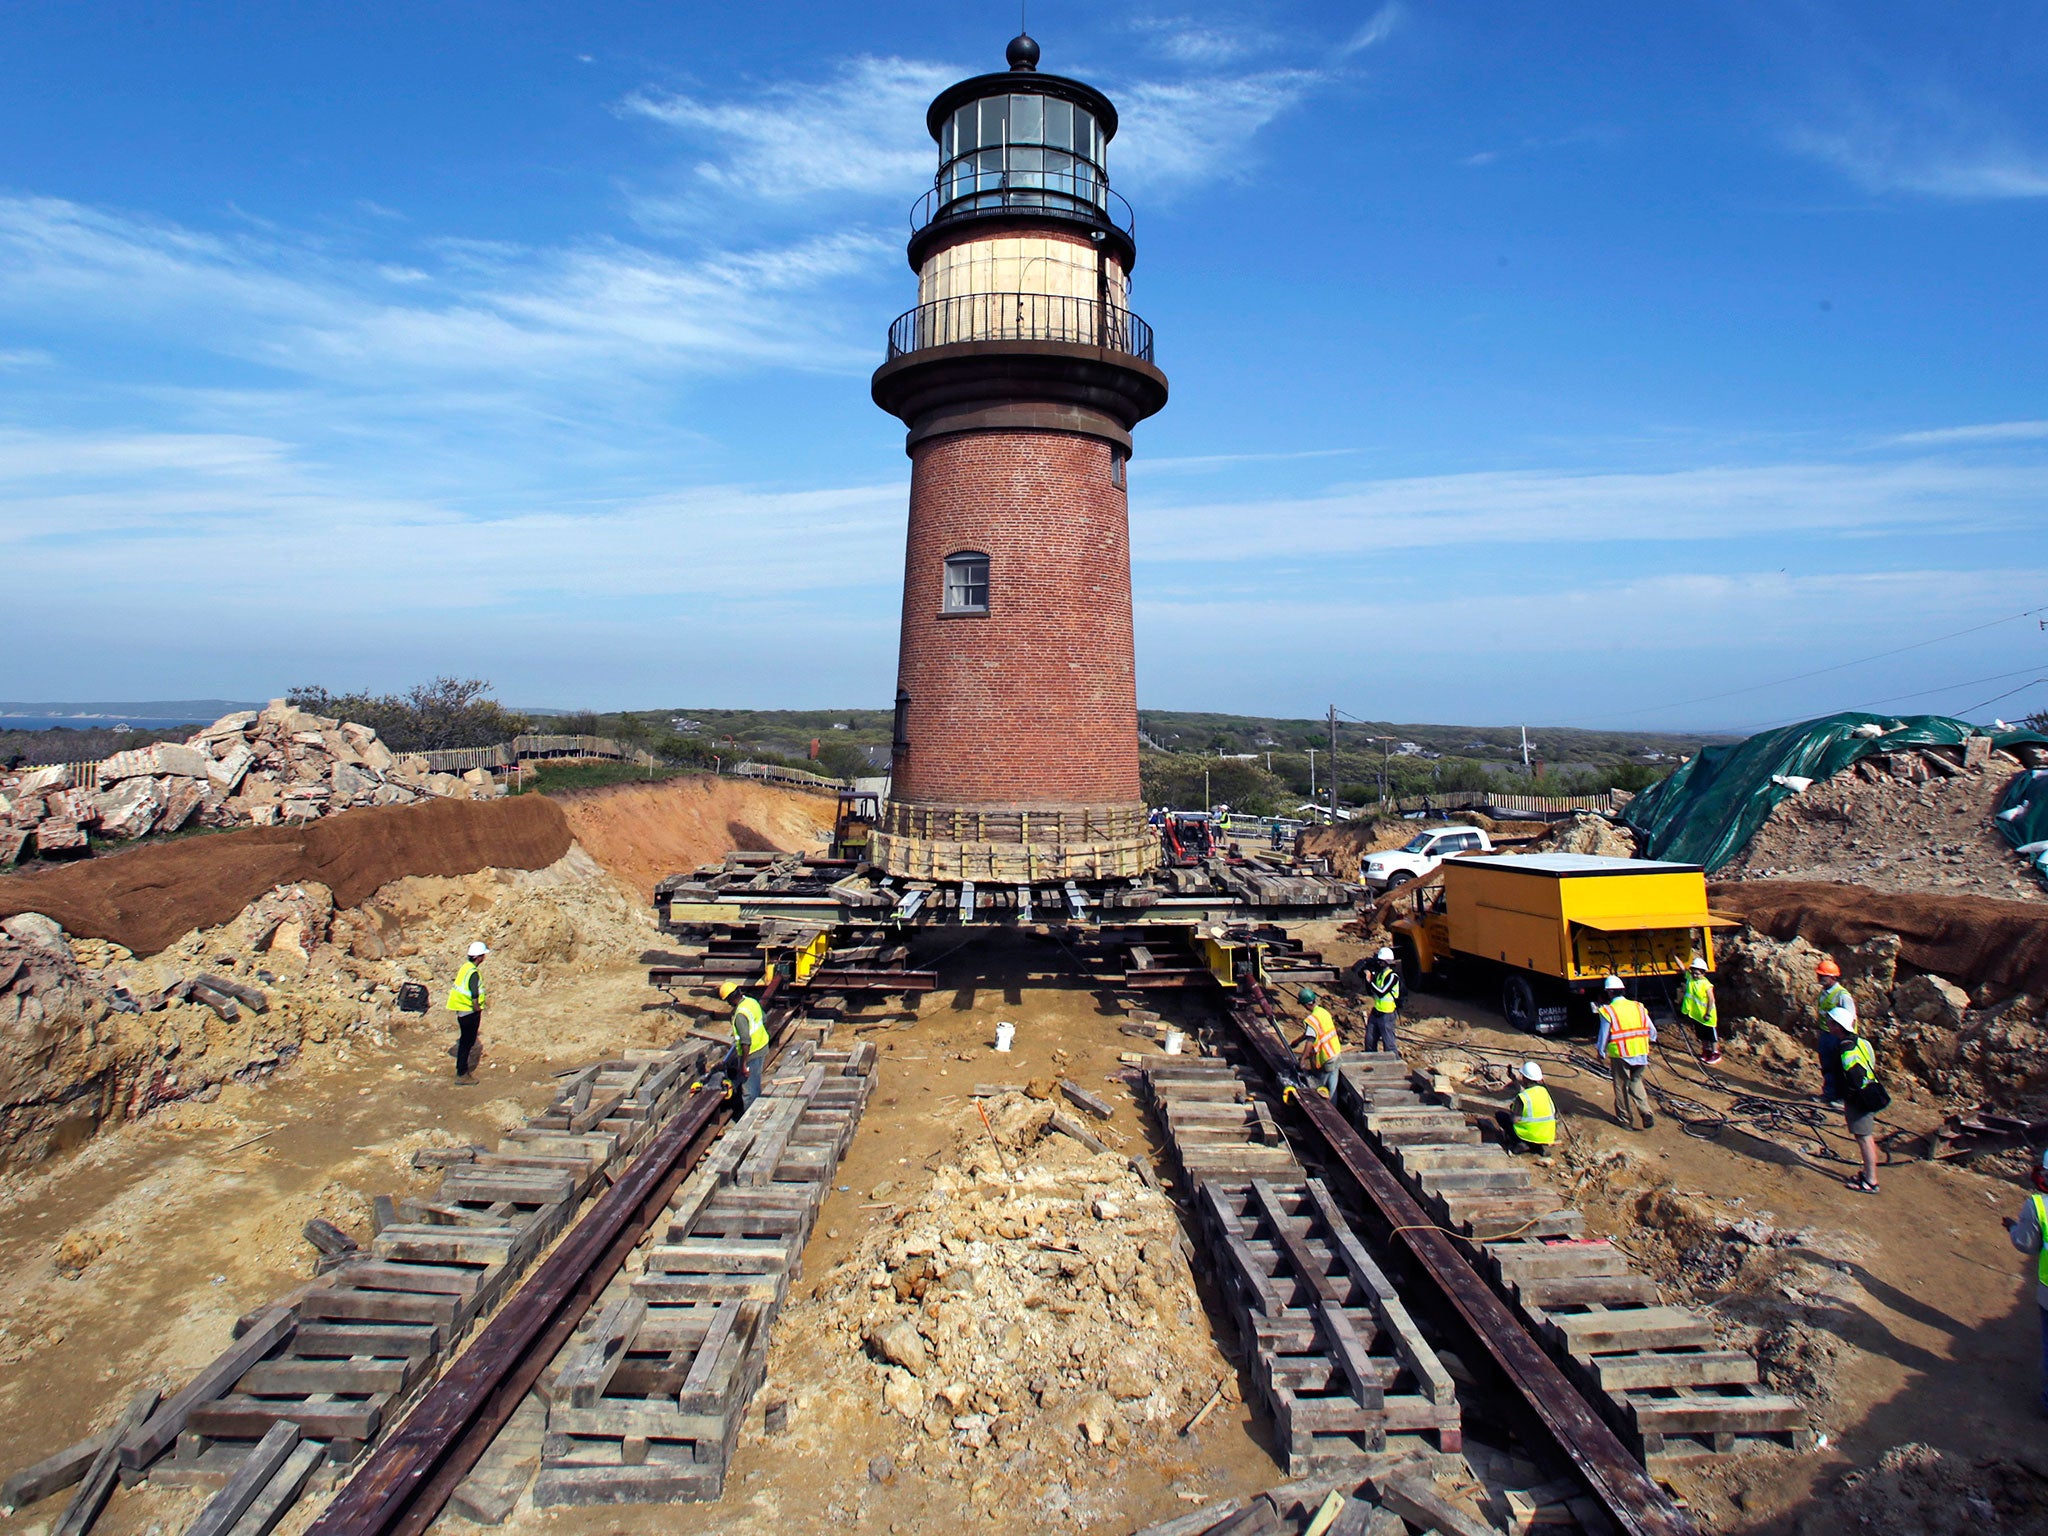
{"x":1019,"y":375}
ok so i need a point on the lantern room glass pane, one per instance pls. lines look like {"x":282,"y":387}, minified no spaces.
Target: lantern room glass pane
{"x":1059,"y":124}
{"x":994,"y":115}
{"x":1027,"y":120}
{"x":966,"y":133}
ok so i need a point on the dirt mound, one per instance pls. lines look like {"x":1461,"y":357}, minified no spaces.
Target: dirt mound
{"x":1032,"y":1304}
{"x":1993,"y":949}
{"x":1916,"y":1490}
{"x":145,"y":898}
{"x":643,"y":833}
{"x":1867,"y":827}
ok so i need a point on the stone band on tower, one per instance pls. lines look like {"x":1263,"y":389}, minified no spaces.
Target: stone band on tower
{"x":1020,"y":375}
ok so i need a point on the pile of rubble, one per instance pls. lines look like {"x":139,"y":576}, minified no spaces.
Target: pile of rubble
{"x":249,"y":769}
{"x":1032,"y":1306}
{"x":1915,"y":820}
{"x":1956,"y":1046}
{"x":92,"y":1034}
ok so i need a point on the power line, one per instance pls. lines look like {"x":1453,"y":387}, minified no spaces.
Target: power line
{"x":1840,"y":666}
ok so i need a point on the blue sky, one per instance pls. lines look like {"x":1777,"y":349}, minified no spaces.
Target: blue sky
{"x":1587,"y":365}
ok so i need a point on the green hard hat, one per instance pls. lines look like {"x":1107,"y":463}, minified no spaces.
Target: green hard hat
{"x":1306,"y":994}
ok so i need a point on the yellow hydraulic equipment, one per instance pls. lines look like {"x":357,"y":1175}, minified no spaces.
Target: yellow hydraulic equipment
{"x":1551,"y":927}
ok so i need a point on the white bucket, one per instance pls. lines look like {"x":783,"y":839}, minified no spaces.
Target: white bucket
{"x":1174,"y":1039}
{"x":1005,"y":1033}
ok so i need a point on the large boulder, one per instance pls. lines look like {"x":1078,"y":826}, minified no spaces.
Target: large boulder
{"x":1930,"y":1000}
{"x":1590,"y":833}
{"x":130,"y":809}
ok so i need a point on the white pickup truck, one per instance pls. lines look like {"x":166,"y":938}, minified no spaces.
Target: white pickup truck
{"x":1420,"y":855}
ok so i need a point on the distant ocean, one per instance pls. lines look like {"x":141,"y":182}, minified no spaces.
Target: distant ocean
{"x":93,"y":722}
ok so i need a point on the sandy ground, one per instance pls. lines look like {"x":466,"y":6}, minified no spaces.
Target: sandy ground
{"x":643,"y":833}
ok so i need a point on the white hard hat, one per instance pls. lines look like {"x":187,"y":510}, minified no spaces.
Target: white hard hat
{"x":1843,"y":1014}
{"x":1699,"y":963}
{"x":1384,"y":954}
{"x":1532,"y":1072}
{"x":478,"y":950}
{"x":1612,"y":984}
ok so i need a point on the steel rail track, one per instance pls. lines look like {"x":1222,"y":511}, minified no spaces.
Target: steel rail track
{"x":1564,"y":1418}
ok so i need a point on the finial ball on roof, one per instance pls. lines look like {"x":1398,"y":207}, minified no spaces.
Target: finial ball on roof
{"x":1022,"y":52}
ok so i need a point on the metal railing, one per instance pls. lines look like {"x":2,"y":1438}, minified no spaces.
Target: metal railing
{"x":1064,"y":194}
{"x":522,"y":748}
{"x":1020,"y":317}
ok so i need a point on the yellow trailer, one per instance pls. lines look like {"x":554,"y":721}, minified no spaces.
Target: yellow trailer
{"x":1549,"y":928}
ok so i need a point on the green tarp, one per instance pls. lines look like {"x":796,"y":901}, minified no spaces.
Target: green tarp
{"x":2023,"y":817}
{"x":1707,"y":811}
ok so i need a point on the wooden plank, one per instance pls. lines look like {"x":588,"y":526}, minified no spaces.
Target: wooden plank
{"x":1414,"y":1499}
{"x":1067,"y":1125}
{"x":281,"y":1492}
{"x":583,"y":1378}
{"x":257,"y":1469}
{"x":59,"y":1470}
{"x":305,"y":1378}
{"x":1086,"y":1102}
{"x":1710,"y":1368}
{"x":1579,"y":1290}
{"x":98,"y":1483}
{"x":383,"y":1341}
{"x":1607,"y":1333}
{"x":244,"y":1418}
{"x":411,"y":1279}
{"x":144,"y":1443}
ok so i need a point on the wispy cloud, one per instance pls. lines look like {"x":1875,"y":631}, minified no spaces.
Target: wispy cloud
{"x":1377,"y":29}
{"x":489,"y":312}
{"x":859,"y":132}
{"x":1548,"y":508}
{"x":1985,"y":432}
{"x":1205,"y":44}
{"x":1178,"y":134}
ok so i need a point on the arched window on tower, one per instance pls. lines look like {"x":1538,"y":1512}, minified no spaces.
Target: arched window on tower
{"x":966,"y":583}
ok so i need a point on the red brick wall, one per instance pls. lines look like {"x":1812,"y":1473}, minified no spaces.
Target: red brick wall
{"x":1033,"y":703}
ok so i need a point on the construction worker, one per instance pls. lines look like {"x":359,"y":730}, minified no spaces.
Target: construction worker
{"x":1862,"y":1095}
{"x":1383,"y":995}
{"x":1530,"y":1125}
{"x":1696,"y":1002}
{"x":1321,"y":1039}
{"x":1626,"y":1035}
{"x":1833,"y":998}
{"x":749,"y":1041}
{"x":466,"y":1002}
{"x":2029,"y":1234}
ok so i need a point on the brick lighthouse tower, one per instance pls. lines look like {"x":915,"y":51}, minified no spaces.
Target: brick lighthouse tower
{"x":1020,"y":375}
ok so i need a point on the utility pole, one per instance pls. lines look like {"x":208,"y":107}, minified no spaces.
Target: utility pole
{"x":1333,"y":765}
{"x":1311,"y":775}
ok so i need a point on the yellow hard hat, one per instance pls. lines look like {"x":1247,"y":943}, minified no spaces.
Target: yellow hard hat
{"x":727,"y":988}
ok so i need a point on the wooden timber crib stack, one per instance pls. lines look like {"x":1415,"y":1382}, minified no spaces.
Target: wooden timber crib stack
{"x":309,"y":1381}
{"x":649,"y":1401}
{"x":1654,"y":1370}
{"x":1337,"y":1360}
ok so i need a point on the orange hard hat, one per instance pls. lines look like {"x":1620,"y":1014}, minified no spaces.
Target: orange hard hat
{"x":1827,"y":966}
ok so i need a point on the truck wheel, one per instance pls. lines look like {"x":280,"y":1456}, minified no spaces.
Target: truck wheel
{"x":1413,"y":977}
{"x":1518,"y":1002}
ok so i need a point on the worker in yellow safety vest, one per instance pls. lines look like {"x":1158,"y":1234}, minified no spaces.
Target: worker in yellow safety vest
{"x":1324,"y":1046}
{"x":1383,"y":996}
{"x":1626,"y":1035}
{"x":1863,"y":1096}
{"x":749,"y":1041}
{"x":1531,"y":1123}
{"x":466,"y":1002}
{"x":2029,"y":1234}
{"x":1696,"y":1002}
{"x":1834,"y":999}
